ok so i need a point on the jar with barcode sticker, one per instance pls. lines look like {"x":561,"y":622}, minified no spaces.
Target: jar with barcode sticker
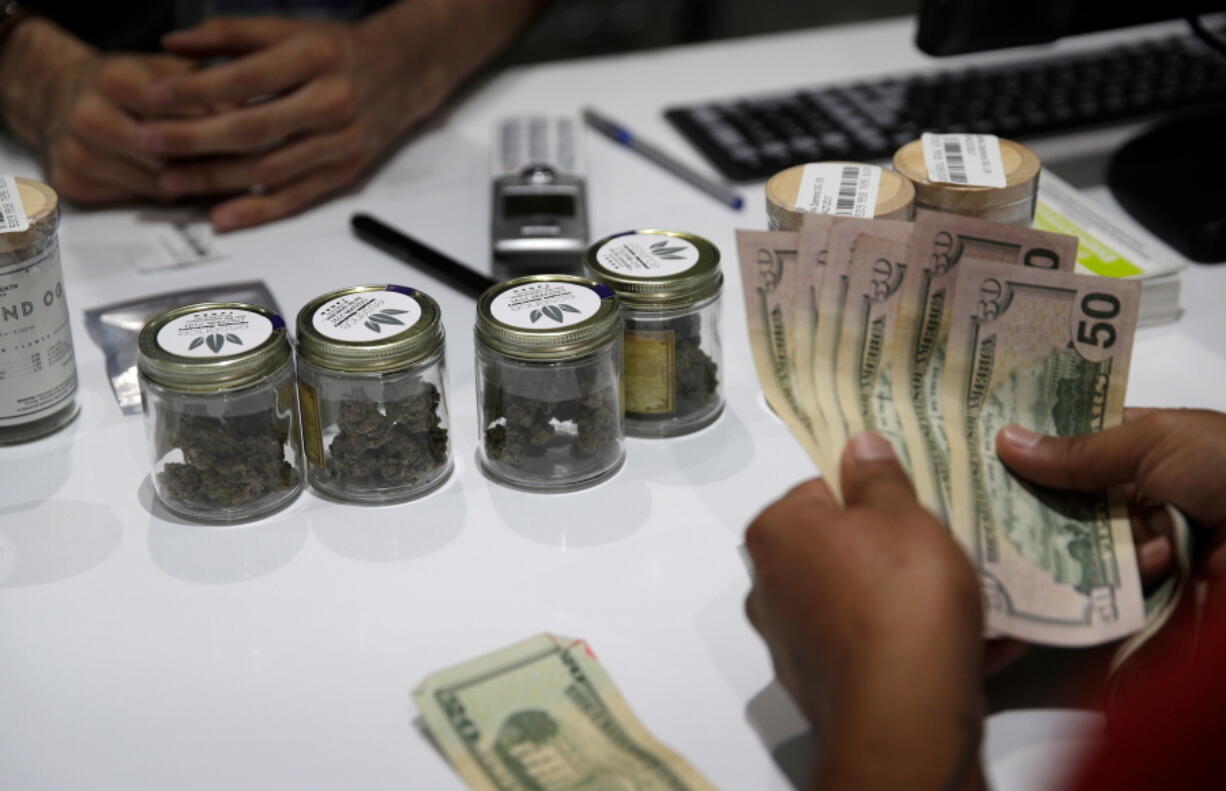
{"x":549,"y":366}
{"x":217,"y":387}
{"x":843,"y":189}
{"x":669,"y":284}
{"x":981,"y":176}
{"x":373,"y":392}
{"x":38,"y":370}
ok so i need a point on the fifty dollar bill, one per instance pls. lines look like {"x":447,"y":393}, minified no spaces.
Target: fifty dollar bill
{"x":1049,"y":351}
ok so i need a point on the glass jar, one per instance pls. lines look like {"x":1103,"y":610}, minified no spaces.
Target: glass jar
{"x":217,"y":386}
{"x":549,"y":366}
{"x":669,"y":284}
{"x":372,"y":387}
{"x":1014,"y":203}
{"x":38,"y":369}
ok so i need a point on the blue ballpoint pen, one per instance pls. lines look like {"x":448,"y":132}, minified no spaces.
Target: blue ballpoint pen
{"x":620,"y":134}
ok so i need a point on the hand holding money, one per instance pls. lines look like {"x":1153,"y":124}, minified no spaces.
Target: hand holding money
{"x":871,"y":612}
{"x":1176,"y":456}
{"x":935,"y":335}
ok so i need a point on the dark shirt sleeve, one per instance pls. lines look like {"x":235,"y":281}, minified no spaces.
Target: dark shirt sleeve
{"x":135,"y":25}
{"x":1167,"y":730}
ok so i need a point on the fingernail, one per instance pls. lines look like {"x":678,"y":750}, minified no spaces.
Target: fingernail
{"x":160,"y":93}
{"x":225,"y":219}
{"x":1153,"y":553}
{"x":175,"y":182}
{"x":149,"y":139}
{"x":1020,"y":437}
{"x":869,"y":446}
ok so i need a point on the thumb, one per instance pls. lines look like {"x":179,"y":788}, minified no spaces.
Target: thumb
{"x":1091,"y":462}
{"x":872,"y":477}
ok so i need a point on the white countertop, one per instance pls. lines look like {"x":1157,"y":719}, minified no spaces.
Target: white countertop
{"x":138,"y":652}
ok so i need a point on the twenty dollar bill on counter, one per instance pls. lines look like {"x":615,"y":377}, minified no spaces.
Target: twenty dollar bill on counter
{"x":1048,"y":350}
{"x":542,"y":715}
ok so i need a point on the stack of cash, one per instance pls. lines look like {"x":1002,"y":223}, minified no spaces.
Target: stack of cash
{"x":936,"y":334}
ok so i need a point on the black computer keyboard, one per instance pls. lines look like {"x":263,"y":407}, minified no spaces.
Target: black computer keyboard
{"x":752,"y":138}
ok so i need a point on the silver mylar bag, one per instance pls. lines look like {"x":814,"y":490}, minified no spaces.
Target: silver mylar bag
{"x":115,"y":328}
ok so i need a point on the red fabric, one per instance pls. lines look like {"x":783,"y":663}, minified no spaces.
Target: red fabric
{"x":1168,"y":729}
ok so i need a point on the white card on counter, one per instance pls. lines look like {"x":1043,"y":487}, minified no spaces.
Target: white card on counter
{"x":13,"y":217}
{"x":158,"y":240}
{"x":844,"y":189}
{"x":175,"y":244}
{"x":966,"y":160}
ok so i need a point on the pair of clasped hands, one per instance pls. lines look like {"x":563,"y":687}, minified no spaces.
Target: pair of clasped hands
{"x":872,"y":612}
{"x":295,"y":111}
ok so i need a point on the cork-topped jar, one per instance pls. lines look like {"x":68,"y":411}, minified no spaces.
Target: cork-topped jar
{"x":847,"y":189}
{"x":38,"y":370}
{"x":1013,"y":203}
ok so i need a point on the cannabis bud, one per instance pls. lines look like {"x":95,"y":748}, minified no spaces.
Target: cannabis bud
{"x":230,"y":461}
{"x":393,"y":443}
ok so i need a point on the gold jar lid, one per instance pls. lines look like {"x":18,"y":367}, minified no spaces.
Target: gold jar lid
{"x":369,"y":329}
{"x":895,"y":195}
{"x":548,"y":317}
{"x":656,"y":269}
{"x":41,"y":205}
{"x":1021,"y":167}
{"x":212,"y":346}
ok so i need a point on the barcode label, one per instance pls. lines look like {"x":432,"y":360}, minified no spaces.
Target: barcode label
{"x":965,"y":160}
{"x":13,"y":217}
{"x":841,"y":188}
{"x":954,"y":162}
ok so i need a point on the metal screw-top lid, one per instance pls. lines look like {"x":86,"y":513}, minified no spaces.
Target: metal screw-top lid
{"x":213,"y":346}
{"x":42,"y":209}
{"x":657,"y":269}
{"x":369,"y":329}
{"x":548,"y":317}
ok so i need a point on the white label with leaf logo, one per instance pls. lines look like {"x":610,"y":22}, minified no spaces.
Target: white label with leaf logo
{"x":214,"y":333}
{"x":366,"y":316}
{"x":545,"y":306}
{"x":647,"y":255}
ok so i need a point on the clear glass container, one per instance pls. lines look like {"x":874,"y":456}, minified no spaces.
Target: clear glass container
{"x":669,"y":284}
{"x":549,"y":364}
{"x":372,"y":387}
{"x":219,"y":399}
{"x":38,"y":370}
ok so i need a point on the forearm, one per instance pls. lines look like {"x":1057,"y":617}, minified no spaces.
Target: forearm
{"x":35,"y":57}
{"x":438,"y":43}
{"x":915,"y":737}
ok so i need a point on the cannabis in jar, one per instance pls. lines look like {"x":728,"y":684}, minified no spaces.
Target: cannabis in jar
{"x":372,"y":384}
{"x":217,"y":386}
{"x":669,"y":283}
{"x":548,"y":377}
